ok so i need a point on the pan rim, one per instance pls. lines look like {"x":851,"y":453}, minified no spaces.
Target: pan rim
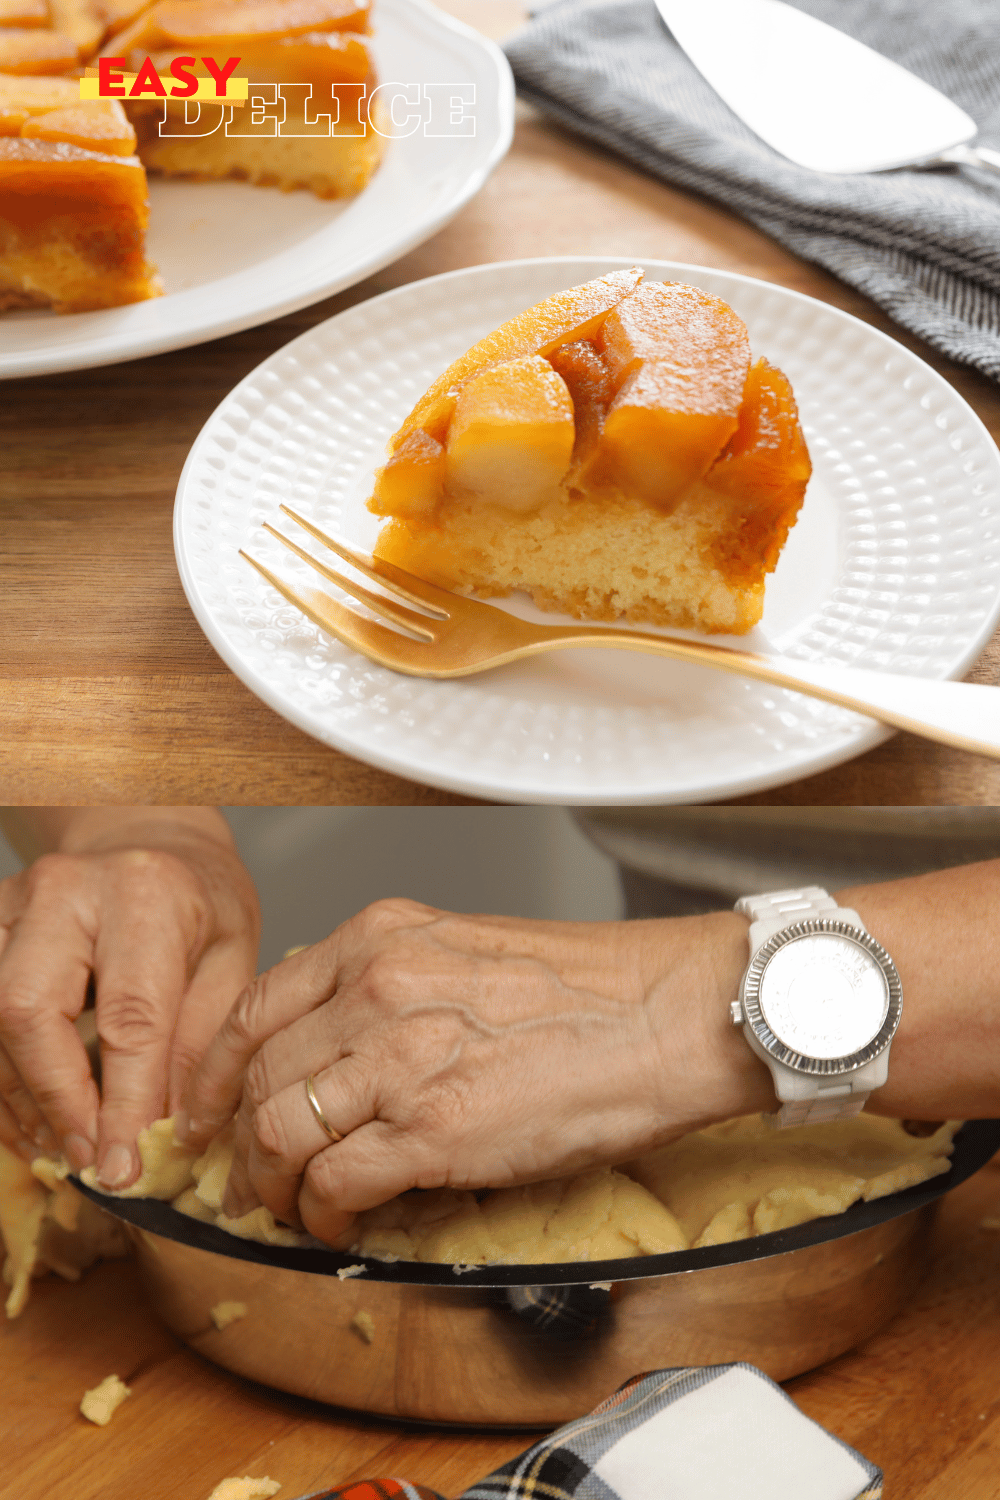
{"x":975,"y":1143}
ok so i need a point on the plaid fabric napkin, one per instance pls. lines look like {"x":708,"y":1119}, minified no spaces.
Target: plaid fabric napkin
{"x":924,"y":245}
{"x":716,"y":1433}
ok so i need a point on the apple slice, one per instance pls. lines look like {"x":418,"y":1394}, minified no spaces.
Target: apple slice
{"x":574,"y":314}
{"x":679,"y":359}
{"x":763,"y":469}
{"x":511,"y":437}
{"x":26,"y":50}
{"x":93,"y":125}
{"x":412,"y":482}
{"x":199,"y":23}
{"x":81,"y":20}
{"x":24,"y":13}
{"x":20,"y":98}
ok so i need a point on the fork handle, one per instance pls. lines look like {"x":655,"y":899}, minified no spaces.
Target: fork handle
{"x":964,"y":714}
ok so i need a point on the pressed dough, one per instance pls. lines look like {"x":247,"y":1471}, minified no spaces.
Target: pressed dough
{"x":742,"y":1177}
{"x":713,"y":1186}
{"x":724,"y":1183}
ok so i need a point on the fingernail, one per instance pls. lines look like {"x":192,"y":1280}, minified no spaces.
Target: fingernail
{"x":27,"y":1151}
{"x":45,"y":1139}
{"x":79,"y":1151}
{"x":182,"y":1126}
{"x":117,"y":1166}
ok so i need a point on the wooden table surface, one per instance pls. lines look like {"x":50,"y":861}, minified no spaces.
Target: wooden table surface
{"x":109,"y":692}
{"x":921,"y":1399}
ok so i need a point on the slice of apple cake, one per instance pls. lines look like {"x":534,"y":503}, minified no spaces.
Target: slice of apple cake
{"x":611,"y":451}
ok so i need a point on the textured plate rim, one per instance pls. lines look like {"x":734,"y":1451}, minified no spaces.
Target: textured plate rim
{"x":796,"y":766}
{"x":100,"y":351}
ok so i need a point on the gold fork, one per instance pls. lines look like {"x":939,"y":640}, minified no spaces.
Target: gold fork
{"x":458,"y":636}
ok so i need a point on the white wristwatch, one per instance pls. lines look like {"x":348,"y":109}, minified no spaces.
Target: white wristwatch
{"x":819,"y":1003}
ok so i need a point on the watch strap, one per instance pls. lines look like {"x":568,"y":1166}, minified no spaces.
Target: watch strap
{"x":770,"y":913}
{"x":830,"y":1104}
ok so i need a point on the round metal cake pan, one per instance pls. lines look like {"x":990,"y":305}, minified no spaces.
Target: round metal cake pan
{"x":535,"y":1346}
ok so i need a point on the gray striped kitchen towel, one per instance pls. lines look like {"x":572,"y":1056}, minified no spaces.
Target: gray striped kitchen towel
{"x":924,"y":245}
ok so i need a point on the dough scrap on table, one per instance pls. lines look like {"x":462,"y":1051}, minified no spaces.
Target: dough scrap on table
{"x":364,"y":1325}
{"x":245,"y":1489}
{"x":224,"y":1313}
{"x":100,"y":1404}
{"x":46,"y":1225}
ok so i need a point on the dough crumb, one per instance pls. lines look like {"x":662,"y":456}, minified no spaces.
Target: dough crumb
{"x":364,"y":1324}
{"x":600,"y":1286}
{"x":224,"y":1313}
{"x":259,"y":1224}
{"x":347,"y":1271}
{"x":45,"y":1225}
{"x":100,"y":1404}
{"x":245,"y":1489}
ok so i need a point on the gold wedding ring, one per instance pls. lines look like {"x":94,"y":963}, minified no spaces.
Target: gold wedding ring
{"x":314,"y":1105}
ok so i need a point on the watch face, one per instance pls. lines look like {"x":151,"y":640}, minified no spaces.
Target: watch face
{"x":824,"y":995}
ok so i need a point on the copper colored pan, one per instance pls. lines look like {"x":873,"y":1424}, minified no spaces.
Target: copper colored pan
{"x":516,"y":1346}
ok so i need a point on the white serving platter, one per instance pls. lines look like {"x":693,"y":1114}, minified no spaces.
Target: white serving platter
{"x":232,"y":255}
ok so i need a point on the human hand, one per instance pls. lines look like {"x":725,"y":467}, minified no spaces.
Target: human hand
{"x":152,"y":906}
{"x":473,"y":1052}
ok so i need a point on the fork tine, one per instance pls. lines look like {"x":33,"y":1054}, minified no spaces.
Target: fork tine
{"x":386,"y":647}
{"x":407,"y":585}
{"x":406,"y":618}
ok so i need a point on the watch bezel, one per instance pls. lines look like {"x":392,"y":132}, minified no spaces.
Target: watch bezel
{"x":799,"y":1061}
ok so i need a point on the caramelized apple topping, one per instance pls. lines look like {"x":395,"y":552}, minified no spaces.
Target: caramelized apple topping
{"x":24,"y":13}
{"x":763,"y":469}
{"x":203,"y":22}
{"x":20,"y":98}
{"x":24,"y":50}
{"x":511,"y":437}
{"x":575,"y":314}
{"x":93,"y":124}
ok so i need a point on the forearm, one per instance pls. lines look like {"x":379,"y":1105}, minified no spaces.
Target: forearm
{"x":34,"y":831}
{"x":943,"y":933}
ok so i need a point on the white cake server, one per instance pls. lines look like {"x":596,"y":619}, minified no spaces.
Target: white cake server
{"x":818,"y":96}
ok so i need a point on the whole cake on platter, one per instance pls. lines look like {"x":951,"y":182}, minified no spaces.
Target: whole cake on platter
{"x":612,"y":451}
{"x":73,"y":194}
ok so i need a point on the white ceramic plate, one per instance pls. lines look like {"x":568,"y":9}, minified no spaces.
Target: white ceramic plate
{"x":232,"y":255}
{"x":894,"y":564}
